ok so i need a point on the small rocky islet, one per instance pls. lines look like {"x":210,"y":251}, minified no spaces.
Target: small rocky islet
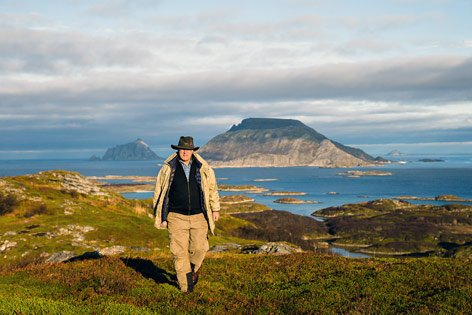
{"x":265,"y":179}
{"x":242,"y":188}
{"x":289,"y":200}
{"x":364,"y":173}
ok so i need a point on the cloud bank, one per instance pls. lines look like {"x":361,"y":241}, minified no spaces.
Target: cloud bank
{"x":108,"y":72}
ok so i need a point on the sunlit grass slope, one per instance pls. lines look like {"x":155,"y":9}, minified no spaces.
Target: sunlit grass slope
{"x":242,"y":284}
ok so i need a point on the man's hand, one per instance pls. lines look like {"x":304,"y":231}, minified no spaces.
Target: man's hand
{"x":160,"y":226}
{"x":216,"y":216}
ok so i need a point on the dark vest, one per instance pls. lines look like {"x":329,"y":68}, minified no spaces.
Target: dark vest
{"x":184,"y":196}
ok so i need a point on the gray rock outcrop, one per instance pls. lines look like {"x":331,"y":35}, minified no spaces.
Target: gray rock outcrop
{"x":112,"y":250}
{"x":267,"y":249}
{"x":61,"y":257}
{"x":277,"y":248}
{"x":12,"y":188}
{"x":222,"y":248}
{"x":6,"y":245}
{"x":78,"y":183}
{"x":69,"y":256}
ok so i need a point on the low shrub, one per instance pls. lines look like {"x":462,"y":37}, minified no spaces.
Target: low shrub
{"x":38,"y":209}
{"x":26,"y":261}
{"x":276,"y":226}
{"x":8,"y":203}
{"x":73,"y":193}
{"x":456,"y":206}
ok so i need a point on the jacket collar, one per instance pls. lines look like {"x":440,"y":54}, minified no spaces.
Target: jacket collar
{"x":200,"y":162}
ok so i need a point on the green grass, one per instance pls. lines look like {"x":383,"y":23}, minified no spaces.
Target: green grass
{"x":144,"y":282}
{"x":242,"y":284}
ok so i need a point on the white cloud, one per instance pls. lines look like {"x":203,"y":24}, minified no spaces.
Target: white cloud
{"x":425,"y":80}
{"x":117,"y":67}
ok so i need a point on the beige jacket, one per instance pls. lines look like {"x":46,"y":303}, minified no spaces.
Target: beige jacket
{"x":208,"y":185}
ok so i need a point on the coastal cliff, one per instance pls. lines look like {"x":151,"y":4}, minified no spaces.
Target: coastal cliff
{"x":279,"y":142}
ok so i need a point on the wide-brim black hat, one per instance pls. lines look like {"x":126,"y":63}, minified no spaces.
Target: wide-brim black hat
{"x":185,"y":143}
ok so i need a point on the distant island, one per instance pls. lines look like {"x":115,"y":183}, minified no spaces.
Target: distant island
{"x":364,"y":173}
{"x":247,"y":188}
{"x":431,"y":160}
{"x":395,"y":153}
{"x":270,"y":142}
{"x":285,"y":193}
{"x":137,"y":150}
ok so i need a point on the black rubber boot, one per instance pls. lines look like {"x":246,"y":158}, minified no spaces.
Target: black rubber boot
{"x":190,"y":282}
{"x":195,"y":274}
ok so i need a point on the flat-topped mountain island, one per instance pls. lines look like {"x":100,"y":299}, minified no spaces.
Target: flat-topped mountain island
{"x":264,"y":142}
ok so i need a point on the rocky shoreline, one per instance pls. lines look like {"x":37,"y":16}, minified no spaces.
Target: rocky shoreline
{"x":437,"y":198}
{"x":150,"y":179}
{"x":240,"y":188}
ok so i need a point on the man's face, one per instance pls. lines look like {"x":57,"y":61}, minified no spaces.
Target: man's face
{"x":185,"y":155}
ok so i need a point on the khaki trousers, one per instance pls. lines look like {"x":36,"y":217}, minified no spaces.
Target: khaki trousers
{"x":188,"y":239}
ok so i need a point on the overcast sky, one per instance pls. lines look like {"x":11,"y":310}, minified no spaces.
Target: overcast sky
{"x":77,"y":77}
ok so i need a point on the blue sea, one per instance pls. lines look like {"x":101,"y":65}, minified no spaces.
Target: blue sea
{"x":453,"y":175}
{"x":413,"y":178}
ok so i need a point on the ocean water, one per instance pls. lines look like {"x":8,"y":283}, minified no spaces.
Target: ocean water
{"x":413,"y":178}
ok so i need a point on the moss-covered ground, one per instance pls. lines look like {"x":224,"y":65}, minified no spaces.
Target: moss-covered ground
{"x":241,"y":284}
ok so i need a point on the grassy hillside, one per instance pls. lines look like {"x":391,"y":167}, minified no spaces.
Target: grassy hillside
{"x":55,"y":211}
{"x":58,"y":211}
{"x":241,"y":284}
{"x":51,"y":212}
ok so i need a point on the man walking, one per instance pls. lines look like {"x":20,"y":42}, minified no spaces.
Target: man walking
{"x":186,"y":201}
